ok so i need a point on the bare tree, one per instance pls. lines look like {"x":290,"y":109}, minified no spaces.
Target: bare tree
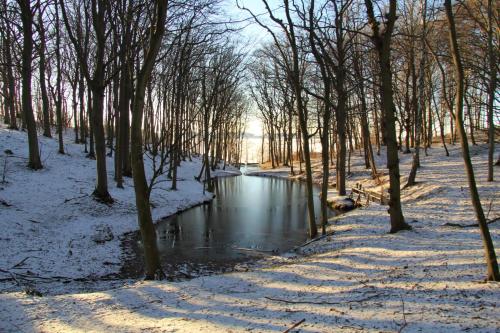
{"x":382,"y":40}
{"x":152,"y":261}
{"x":97,"y":82}
{"x":493,"y":273}
{"x":27,"y":13}
{"x":42,"y":76}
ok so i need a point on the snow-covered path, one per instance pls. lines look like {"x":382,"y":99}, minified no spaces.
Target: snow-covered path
{"x":429,"y":279}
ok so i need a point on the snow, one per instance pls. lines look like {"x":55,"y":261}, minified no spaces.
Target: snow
{"x":229,"y":172}
{"x":358,"y":278}
{"x":282,"y":172}
{"x":51,"y":221}
{"x":341,"y":202}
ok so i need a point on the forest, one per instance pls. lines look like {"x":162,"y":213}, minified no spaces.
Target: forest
{"x":249,"y":165}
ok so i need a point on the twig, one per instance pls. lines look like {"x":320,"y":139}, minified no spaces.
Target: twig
{"x":314,"y":240}
{"x":46,"y":158}
{"x":321,"y":303}
{"x":405,"y":323}
{"x":489,"y":209}
{"x":496,"y":219}
{"x":19,"y":157}
{"x":294,"y":326}
{"x":458,"y":225}
{"x":13,"y":276}
{"x":359,"y":328}
{"x":21,"y":262}
{"x":83,"y":196}
{"x":30,"y":277}
{"x":4,"y":170}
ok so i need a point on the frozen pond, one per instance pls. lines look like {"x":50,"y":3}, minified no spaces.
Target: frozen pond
{"x":250,"y":217}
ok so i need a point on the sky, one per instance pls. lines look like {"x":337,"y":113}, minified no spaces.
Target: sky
{"x":254,"y":36}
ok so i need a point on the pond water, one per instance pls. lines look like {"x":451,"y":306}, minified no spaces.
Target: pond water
{"x":250,"y":217}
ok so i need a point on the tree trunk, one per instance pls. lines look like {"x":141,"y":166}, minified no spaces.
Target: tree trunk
{"x":419,"y":103}
{"x":364,"y":123}
{"x":382,"y":43}
{"x":5,"y":92}
{"x":90,"y":112}
{"x":493,"y":273}
{"x":341,"y":144}
{"x":11,"y":98}
{"x":125,"y":121}
{"x":101,"y":190}
{"x":83,"y":123}
{"x":492,"y":58}
{"x":27,"y":20}
{"x":58,"y":86}
{"x":326,"y":120}
{"x":74,"y":91}
{"x":152,"y":260}
{"x":43,"y":84}
{"x":98,"y":88}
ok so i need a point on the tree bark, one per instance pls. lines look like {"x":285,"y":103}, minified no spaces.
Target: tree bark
{"x":27,"y":21}
{"x":43,"y":84}
{"x":152,"y":261}
{"x":493,"y":273}
{"x":492,"y":59}
{"x":11,"y":98}
{"x":382,"y":41}
{"x":58,"y":85}
{"x":326,"y":120}
{"x":419,"y":103}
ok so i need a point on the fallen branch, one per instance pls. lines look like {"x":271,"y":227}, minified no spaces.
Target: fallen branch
{"x":14,"y":279}
{"x":323,"y":302}
{"x":496,"y":219}
{"x":294,"y":326}
{"x":29,"y":276}
{"x":405,"y":323}
{"x":7,"y":279}
{"x":4,"y":170}
{"x":314,"y":240}
{"x":46,"y":158}
{"x":359,"y":328}
{"x":21,"y":262}
{"x":489,"y":208}
{"x":458,"y":225}
{"x":83,"y":196}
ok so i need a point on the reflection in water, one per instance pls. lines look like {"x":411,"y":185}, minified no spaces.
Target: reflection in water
{"x":249,"y":216}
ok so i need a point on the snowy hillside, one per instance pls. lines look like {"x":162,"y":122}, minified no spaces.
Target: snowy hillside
{"x":360,"y":278}
{"x":51,"y":225}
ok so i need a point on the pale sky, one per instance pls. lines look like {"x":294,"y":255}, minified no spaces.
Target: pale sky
{"x":252,"y":31}
{"x":252,"y":36}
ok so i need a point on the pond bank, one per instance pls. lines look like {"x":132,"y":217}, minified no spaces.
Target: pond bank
{"x":336,"y":202}
{"x":55,"y":235}
{"x":249,"y":218}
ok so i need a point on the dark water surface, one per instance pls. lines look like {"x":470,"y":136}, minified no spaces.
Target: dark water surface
{"x":250,"y":217}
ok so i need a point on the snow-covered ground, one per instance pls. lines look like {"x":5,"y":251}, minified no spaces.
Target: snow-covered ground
{"x":360,"y":278}
{"x":51,"y":225}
